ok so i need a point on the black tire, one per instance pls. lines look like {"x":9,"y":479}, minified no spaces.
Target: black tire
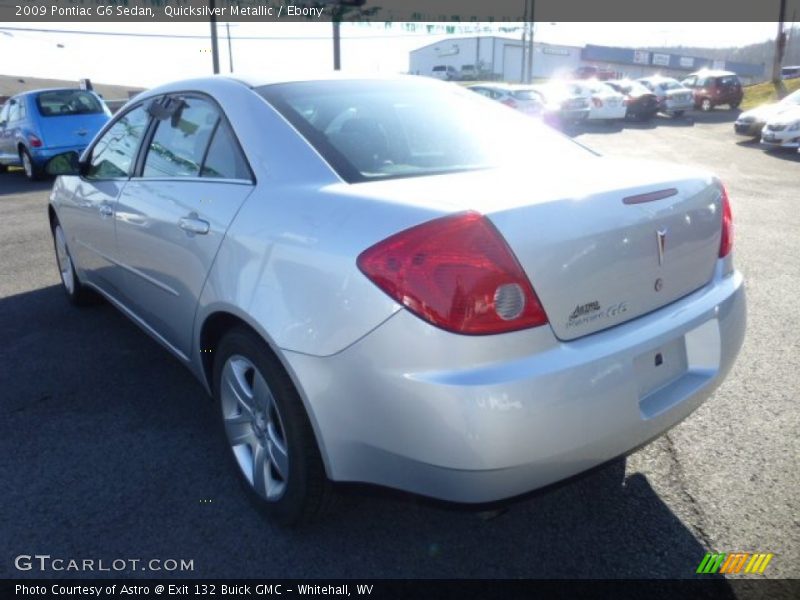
{"x":76,"y":292}
{"x":3,"y":169}
{"x":678,"y":113}
{"x":734,"y":105}
{"x":306,"y":489}
{"x":32,"y":170}
{"x":706,"y":105}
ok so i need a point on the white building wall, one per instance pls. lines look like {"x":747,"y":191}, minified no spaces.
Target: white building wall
{"x":501,"y":56}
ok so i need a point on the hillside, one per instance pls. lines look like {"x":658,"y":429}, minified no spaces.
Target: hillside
{"x":762,"y":93}
{"x":13,"y":84}
{"x":756,"y":54}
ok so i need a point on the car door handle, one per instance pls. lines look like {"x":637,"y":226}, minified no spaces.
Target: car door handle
{"x":106,"y":210}
{"x":193,"y":225}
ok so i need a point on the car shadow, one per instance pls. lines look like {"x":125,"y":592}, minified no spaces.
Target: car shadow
{"x":15,"y":182}
{"x":787,"y":154}
{"x":716,"y":115}
{"x":110,"y":448}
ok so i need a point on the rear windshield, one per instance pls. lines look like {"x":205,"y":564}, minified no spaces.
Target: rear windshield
{"x":526,"y":95}
{"x":382,"y":129}
{"x":59,"y":103}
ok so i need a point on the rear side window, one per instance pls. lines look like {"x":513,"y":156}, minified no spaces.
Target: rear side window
{"x":179,"y":144}
{"x":526,"y":95}
{"x":224,"y":159}
{"x":113,"y":154}
{"x":59,"y":103}
{"x":16,"y":111}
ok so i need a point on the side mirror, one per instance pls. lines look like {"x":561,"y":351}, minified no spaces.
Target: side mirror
{"x":66,"y":163}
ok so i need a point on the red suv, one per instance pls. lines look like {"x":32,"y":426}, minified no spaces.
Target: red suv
{"x":712,"y":88}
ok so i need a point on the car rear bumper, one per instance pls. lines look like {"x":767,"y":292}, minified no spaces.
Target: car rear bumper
{"x":478,"y":419}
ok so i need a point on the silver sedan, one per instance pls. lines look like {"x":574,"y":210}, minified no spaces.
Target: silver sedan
{"x":397,"y":281}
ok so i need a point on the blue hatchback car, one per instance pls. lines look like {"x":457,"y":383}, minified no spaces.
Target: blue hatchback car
{"x":37,"y":125}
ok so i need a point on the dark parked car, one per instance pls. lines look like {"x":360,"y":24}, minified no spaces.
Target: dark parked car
{"x":37,"y":125}
{"x":712,"y":88}
{"x":642,"y":104}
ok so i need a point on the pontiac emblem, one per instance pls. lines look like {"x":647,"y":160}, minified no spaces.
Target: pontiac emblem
{"x":661,"y":239}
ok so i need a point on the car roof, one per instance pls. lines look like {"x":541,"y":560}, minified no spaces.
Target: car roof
{"x":53,"y":89}
{"x":712,"y":73}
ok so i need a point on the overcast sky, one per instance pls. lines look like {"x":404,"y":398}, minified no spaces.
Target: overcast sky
{"x":291,"y":46}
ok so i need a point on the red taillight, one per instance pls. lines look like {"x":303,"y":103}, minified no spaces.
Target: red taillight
{"x":597,"y":102}
{"x":509,"y":102}
{"x":456,"y":272}
{"x":34,"y":141}
{"x":726,"y":241}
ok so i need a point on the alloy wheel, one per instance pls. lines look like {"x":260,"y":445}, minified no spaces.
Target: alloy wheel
{"x":254,"y":428}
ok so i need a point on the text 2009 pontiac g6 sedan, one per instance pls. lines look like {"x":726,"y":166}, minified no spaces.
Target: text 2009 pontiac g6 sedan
{"x":396,"y":281}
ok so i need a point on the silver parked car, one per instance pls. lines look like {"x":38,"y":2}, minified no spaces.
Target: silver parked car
{"x":673,"y":98}
{"x":394,"y":281}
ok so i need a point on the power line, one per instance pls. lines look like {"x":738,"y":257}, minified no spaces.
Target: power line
{"x":204,"y":37}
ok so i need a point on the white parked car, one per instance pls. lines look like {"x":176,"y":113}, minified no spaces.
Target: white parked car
{"x":522,"y":98}
{"x":782,"y":130}
{"x":673,"y":97}
{"x":751,"y":122}
{"x":607,"y":104}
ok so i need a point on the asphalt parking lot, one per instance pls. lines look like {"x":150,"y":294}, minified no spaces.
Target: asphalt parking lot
{"x":110,"y":450}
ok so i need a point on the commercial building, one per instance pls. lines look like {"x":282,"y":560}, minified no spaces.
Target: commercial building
{"x":500,"y":58}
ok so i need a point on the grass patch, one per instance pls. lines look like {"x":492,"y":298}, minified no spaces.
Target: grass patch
{"x":763,"y":93}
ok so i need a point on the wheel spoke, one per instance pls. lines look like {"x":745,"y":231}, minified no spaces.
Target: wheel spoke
{"x":278,"y":455}
{"x":262,"y":394}
{"x":240,"y":429}
{"x":237,"y":384}
{"x":261,"y":477}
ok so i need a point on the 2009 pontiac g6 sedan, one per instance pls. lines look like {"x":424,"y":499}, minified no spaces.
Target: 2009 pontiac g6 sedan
{"x":396,"y":281}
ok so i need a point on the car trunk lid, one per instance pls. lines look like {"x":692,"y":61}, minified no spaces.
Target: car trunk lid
{"x":609,"y":249}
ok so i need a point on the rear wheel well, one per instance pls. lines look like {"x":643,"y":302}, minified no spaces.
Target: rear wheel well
{"x":212,"y":331}
{"x":51,"y":214}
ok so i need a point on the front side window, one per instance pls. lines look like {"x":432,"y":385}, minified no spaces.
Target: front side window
{"x":4,"y":113}
{"x":179,"y":144}
{"x":59,"y":103}
{"x":379,"y":129}
{"x":113,"y":154}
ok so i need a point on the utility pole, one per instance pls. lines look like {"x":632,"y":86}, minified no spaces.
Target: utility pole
{"x":214,"y":44}
{"x":530,"y":43}
{"x":780,"y":47}
{"x":340,"y":8}
{"x":230,"y":47}
{"x":524,"y":41}
{"x":337,"y":41}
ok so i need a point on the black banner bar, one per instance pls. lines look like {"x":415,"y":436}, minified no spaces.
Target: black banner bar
{"x":712,"y":588}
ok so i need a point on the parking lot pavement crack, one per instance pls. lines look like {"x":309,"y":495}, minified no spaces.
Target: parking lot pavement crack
{"x":678,"y":475}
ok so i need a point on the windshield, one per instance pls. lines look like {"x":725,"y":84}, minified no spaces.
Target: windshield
{"x":669,"y":84}
{"x":381,"y":129}
{"x":59,"y":103}
{"x":633,"y":87}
